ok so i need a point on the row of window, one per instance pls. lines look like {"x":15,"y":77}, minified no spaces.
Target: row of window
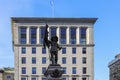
{"x":44,"y":60}
{"x":46,"y":79}
{"x":23,"y":50}
{"x":53,"y":32}
{"x":34,"y":70}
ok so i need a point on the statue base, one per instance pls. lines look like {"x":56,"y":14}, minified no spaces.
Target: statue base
{"x":54,"y":72}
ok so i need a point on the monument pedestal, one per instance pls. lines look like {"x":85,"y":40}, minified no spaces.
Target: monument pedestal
{"x":54,"y":72}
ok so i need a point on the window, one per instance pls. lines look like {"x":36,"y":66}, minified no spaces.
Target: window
{"x":63,"y":50}
{"x":33,"y":70}
{"x":23,"y":70}
{"x":84,"y":50}
{"x":84,"y":60}
{"x":74,"y":70}
{"x":23,"y":35}
{"x":43,"y":60}
{"x":53,"y":31}
{"x":84,"y":78}
{"x":23,"y":50}
{"x":23,"y":61}
{"x":73,"y":60}
{"x":64,"y":69}
{"x":33,"y":60}
{"x":43,"y":50}
{"x":23,"y":78}
{"x":43,"y":78}
{"x":73,"y":78}
{"x":33,"y":50}
{"x":8,"y":77}
{"x":84,"y":70}
{"x":74,"y":50}
{"x":43,"y":70}
{"x":64,"y":60}
{"x":33,"y":35}
{"x":83,"y":36}
{"x":73,"y":35}
{"x":63,"y":35}
{"x":33,"y":79}
{"x":63,"y":78}
{"x":42,"y":33}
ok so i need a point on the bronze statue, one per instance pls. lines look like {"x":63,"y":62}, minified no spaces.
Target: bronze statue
{"x":52,"y":45}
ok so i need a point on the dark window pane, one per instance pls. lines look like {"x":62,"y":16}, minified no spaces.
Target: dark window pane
{"x":33,"y":70}
{"x":33,"y":60}
{"x":64,"y":69}
{"x":43,"y":50}
{"x":43,"y":60}
{"x":74,"y":50}
{"x":23,"y":35}
{"x":33,"y":50}
{"x":43,"y":70}
{"x":73,"y":78}
{"x":43,"y":78}
{"x":74,"y":60}
{"x":42,"y":33}
{"x":84,"y":70}
{"x":73,"y":35}
{"x":63,"y":50}
{"x":23,"y":60}
{"x":23,"y":78}
{"x":83,"y":36}
{"x":74,"y":70}
{"x":64,"y":60}
{"x":33,"y":35}
{"x":84,"y":60}
{"x":34,"y":79}
{"x":63,"y":78}
{"x":84,"y":50}
{"x":23,"y":70}
{"x":23,"y":50}
{"x":84,"y":78}
{"x":63,"y":35}
{"x":53,"y":31}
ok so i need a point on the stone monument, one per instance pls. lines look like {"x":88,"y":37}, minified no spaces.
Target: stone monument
{"x":54,"y":70}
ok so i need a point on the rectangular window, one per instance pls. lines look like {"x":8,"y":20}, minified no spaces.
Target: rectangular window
{"x":53,"y":31}
{"x":74,"y":70}
{"x":33,"y":70}
{"x":43,"y":70}
{"x":64,"y":60}
{"x":23,"y":35}
{"x":33,"y":79}
{"x":84,"y":78}
{"x":23,"y":78}
{"x":43,"y":78}
{"x":23,"y":60}
{"x":42,"y":33}
{"x":84,"y":70}
{"x":73,"y":35}
{"x":84,"y":60}
{"x":73,"y":78}
{"x":23,"y":50}
{"x":73,"y":60}
{"x":74,"y":50}
{"x":43,"y":50}
{"x":8,"y":77}
{"x":23,"y":70}
{"x":63,"y":50}
{"x":33,"y":50}
{"x":63,"y":35}
{"x":33,"y":35}
{"x":33,"y":60}
{"x":64,"y":69}
{"x":83,"y":36}
{"x":43,"y":60}
{"x":84,"y":50}
{"x":63,"y":78}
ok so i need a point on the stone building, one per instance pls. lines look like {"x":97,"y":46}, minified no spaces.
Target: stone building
{"x":7,"y":73}
{"x":114,"y":68}
{"x":76,"y":36}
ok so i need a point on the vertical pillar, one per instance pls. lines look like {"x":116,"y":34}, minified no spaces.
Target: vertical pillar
{"x":58,"y":34}
{"x":89,"y":35}
{"x":28,"y":35}
{"x":68,"y":35}
{"x":69,"y":78}
{"x":77,"y":35}
{"x":38,"y":35}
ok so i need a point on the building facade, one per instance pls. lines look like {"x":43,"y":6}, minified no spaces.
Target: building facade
{"x":7,"y":73}
{"x":114,"y":68}
{"x":75,"y":37}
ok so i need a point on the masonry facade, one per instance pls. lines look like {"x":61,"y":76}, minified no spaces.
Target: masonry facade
{"x":75,"y":37}
{"x":114,"y":68}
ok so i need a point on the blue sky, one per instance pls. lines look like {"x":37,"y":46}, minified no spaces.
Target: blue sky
{"x":106,"y":29}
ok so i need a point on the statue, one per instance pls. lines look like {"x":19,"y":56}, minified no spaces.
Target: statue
{"x":52,"y":45}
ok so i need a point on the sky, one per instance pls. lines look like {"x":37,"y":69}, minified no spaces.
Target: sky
{"x":106,"y":28}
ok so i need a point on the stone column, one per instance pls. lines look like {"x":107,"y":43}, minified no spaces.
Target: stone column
{"x":68,"y":35}
{"x":78,"y":35}
{"x":28,"y":35}
{"x":38,"y":35}
{"x":89,"y":35}
{"x":58,"y":34}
